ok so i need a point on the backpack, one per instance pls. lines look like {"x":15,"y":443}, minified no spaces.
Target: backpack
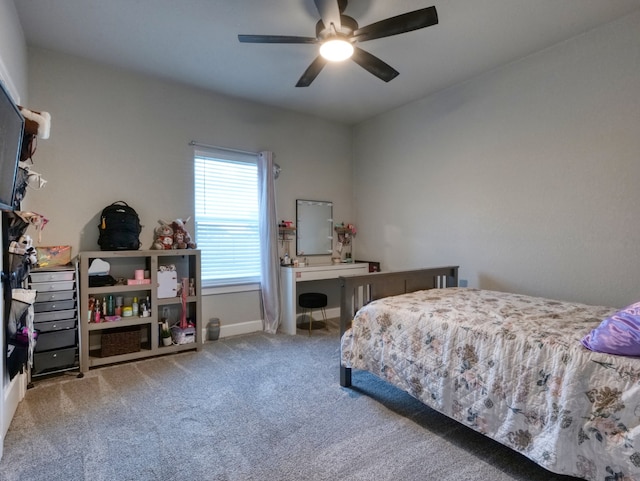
{"x":119,"y":228}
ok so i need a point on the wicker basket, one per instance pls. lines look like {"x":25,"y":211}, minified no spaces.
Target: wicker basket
{"x":120,"y":340}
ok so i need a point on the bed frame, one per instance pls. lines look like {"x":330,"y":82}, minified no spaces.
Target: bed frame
{"x":357,"y":291}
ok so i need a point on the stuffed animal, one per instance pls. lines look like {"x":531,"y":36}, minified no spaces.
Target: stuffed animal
{"x":24,"y":246}
{"x":163,"y":236}
{"x":178,"y":240}
{"x":181,"y":238}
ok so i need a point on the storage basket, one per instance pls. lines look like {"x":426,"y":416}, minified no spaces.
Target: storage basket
{"x":120,"y":340}
{"x":183,"y":336}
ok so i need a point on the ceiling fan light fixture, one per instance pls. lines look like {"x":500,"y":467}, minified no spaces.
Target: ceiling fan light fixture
{"x":336,"y":50}
{"x":337,"y":34}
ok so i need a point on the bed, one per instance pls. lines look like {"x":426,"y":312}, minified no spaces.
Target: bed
{"x":509,"y":366}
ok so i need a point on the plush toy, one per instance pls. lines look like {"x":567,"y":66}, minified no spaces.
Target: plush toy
{"x":181,"y":238}
{"x":163,"y":236}
{"x":178,"y":240}
{"x":24,"y":247}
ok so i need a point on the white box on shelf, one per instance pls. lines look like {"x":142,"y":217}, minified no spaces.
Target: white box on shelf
{"x":167,"y":284}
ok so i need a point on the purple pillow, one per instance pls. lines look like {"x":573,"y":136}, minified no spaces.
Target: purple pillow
{"x":618,"y":333}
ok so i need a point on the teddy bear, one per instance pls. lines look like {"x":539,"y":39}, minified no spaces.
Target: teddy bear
{"x":163,"y":236}
{"x":181,"y":237}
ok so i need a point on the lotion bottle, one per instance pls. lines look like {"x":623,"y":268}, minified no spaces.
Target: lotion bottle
{"x":135,"y":307}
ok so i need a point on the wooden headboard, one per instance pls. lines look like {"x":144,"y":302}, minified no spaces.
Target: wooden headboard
{"x":357,"y":291}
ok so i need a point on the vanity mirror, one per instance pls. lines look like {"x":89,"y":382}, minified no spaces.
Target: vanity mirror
{"x":314,"y":234}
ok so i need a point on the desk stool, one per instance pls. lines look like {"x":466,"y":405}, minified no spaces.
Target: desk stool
{"x":310,"y":301}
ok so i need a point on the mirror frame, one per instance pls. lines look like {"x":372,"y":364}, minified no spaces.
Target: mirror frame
{"x":314,"y":229}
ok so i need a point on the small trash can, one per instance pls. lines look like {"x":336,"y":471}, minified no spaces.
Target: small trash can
{"x":213,"y":329}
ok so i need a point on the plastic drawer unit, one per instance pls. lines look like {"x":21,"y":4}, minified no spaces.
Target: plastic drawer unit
{"x":55,"y":319}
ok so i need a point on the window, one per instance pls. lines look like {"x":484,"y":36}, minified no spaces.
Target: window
{"x":226,"y":216}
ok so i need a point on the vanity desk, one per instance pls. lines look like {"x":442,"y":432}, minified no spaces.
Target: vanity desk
{"x":291,"y":276}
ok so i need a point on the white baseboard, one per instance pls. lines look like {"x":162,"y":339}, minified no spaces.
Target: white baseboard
{"x":332,"y":313}
{"x":256,"y":326}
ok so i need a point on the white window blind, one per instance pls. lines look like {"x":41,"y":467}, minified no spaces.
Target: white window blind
{"x":226,"y":216}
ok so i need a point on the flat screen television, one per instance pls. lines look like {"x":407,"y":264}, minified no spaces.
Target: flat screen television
{"x":11,"y":130}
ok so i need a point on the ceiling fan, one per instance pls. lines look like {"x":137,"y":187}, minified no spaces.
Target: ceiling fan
{"x":337,"y":35}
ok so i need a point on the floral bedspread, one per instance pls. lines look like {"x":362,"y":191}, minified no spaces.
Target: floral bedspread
{"x":511,"y":367}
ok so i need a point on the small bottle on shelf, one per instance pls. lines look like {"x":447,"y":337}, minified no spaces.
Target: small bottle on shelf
{"x":111,"y":310}
{"x":91,"y":309}
{"x":119,"y":303}
{"x":96,"y":313}
{"x":135,"y":307}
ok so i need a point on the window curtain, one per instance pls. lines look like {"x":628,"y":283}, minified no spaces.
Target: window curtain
{"x":269,"y":261}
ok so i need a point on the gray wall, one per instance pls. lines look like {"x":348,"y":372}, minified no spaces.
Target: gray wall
{"x":121,"y":136}
{"x":527,"y":176}
{"x":523,"y":176}
{"x":13,"y":52}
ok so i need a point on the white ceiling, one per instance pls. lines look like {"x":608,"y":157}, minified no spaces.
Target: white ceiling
{"x":195,"y":42}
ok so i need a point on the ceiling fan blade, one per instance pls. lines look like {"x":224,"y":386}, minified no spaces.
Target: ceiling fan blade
{"x":329,"y":12}
{"x":312,"y":72}
{"x":276,"y":39}
{"x":399,"y":24}
{"x":374,"y":65}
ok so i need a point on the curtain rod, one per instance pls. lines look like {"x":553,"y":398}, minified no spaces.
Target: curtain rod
{"x":200,"y":144}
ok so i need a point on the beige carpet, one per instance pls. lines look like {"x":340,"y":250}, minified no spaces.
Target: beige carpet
{"x":255,"y":407}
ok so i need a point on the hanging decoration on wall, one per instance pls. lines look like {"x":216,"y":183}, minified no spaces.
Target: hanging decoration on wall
{"x":37,"y":125}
